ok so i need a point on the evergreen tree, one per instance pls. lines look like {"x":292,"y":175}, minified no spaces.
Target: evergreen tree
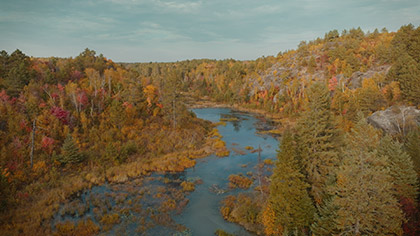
{"x":401,"y":168}
{"x":289,"y":199}
{"x":404,"y":178}
{"x":318,"y":141}
{"x":412,"y":146}
{"x":70,"y":152}
{"x":324,"y":220}
{"x":364,"y":195}
{"x":407,"y":72}
{"x":18,"y":72}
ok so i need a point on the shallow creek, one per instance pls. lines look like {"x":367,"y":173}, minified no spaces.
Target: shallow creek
{"x":156,"y":204}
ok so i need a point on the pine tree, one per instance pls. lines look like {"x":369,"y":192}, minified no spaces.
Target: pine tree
{"x":412,"y":146}
{"x":401,"y":168}
{"x":364,"y":195}
{"x":324,"y":220}
{"x":70,"y":152}
{"x":289,"y":201}
{"x":405,"y":182}
{"x":318,"y":141}
{"x":406,"y":71}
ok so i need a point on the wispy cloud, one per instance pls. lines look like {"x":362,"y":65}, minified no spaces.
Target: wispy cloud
{"x":143,"y":30}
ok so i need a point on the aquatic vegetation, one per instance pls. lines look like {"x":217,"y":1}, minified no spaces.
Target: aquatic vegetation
{"x":219,"y":144}
{"x":108,"y":220}
{"x":243,"y":209}
{"x":223,"y":153}
{"x":239,"y":181}
{"x":221,"y":232}
{"x":188,"y":186}
{"x":83,"y":228}
{"x":268,"y":162}
{"x":229,"y":119}
{"x":238,"y":151}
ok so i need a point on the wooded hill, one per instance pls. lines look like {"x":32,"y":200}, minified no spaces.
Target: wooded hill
{"x":335,"y":174}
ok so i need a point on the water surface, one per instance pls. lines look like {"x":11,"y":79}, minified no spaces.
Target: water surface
{"x":140,"y":203}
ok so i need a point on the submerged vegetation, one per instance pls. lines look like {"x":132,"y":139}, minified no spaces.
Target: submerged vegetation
{"x":72,"y":124}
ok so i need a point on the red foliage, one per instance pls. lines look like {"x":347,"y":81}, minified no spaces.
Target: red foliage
{"x":61,"y":114}
{"x":332,"y":83}
{"x":76,"y":75}
{"x":22,"y":196}
{"x":3,"y":96}
{"x":47,"y":144}
{"x":82,"y":98}
{"x":54,"y":95}
{"x":42,"y":105}
{"x":412,"y":226}
{"x":127,"y":105}
{"x":60,"y":87}
{"x":22,"y":124}
{"x":11,"y":165}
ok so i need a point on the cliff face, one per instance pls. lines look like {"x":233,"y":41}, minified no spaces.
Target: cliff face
{"x":395,"y":119}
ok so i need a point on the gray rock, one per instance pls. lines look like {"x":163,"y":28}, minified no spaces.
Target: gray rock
{"x":395,"y":119}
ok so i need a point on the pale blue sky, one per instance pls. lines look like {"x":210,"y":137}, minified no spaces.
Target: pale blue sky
{"x":170,"y":30}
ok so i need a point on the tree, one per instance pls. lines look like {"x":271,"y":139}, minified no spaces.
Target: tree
{"x":412,"y":146}
{"x":318,"y":140}
{"x":324,"y":220}
{"x":18,"y":74}
{"x":401,"y":168}
{"x":364,"y":195}
{"x":289,"y":200}
{"x":407,"y":72}
{"x":70,"y":152}
{"x":404,"y":179}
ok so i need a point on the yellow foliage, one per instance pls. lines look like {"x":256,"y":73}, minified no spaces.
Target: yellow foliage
{"x":223,"y":153}
{"x":219,"y":144}
{"x":249,"y":148}
{"x":268,"y":162}
{"x":239,"y":181}
{"x":187,"y":186}
{"x":108,"y":220}
{"x":268,"y":220}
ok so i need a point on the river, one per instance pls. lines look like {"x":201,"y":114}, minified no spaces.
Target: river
{"x":138,"y":203}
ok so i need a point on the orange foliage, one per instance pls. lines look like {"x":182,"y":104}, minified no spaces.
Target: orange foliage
{"x":239,"y":181}
{"x":268,"y":220}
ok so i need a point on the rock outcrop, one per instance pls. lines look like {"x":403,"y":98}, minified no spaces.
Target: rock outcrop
{"x":395,"y":119}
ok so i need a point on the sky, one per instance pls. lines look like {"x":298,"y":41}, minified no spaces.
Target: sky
{"x":174,"y":30}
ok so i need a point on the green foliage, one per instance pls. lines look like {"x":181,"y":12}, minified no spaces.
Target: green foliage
{"x":407,"y":72}
{"x":404,"y":177}
{"x":412,"y":146}
{"x":221,"y":232}
{"x":16,"y":72}
{"x":318,"y":140}
{"x":324,"y":223}
{"x":406,"y":69}
{"x":365,"y":207}
{"x":5,"y":191}
{"x":70,"y":152}
{"x":289,"y":199}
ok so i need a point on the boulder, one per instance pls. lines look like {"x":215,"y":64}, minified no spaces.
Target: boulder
{"x":395,"y":119}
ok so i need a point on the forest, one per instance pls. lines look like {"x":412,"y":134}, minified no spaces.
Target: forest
{"x":67,"y":124}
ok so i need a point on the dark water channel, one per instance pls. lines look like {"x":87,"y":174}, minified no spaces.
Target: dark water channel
{"x":156,"y":205}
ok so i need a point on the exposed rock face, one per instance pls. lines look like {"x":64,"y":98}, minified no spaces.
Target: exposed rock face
{"x":395,"y":119}
{"x":355,"y":81}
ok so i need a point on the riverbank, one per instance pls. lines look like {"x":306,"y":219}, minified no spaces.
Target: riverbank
{"x":281,"y":122}
{"x":40,"y":200}
{"x":34,"y":212}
